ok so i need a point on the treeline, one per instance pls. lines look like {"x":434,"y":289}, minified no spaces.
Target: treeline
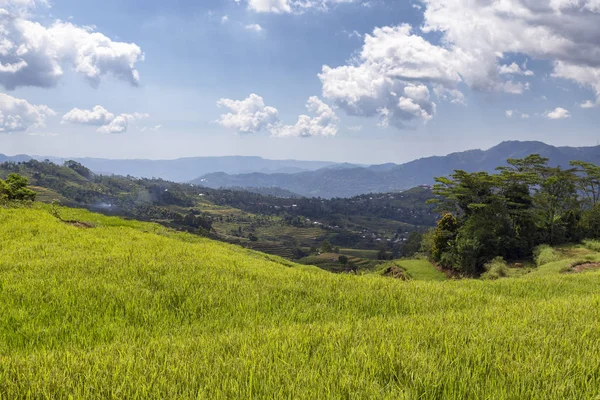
{"x":507,"y":214}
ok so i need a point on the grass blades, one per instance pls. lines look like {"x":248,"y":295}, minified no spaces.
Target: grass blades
{"x":125,"y":309}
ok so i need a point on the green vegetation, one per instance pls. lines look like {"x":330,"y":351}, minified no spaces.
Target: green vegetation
{"x":544,"y":254}
{"x":15,"y":188}
{"x":593,"y":245}
{"x":421,"y":270}
{"x":286,"y":227}
{"x":101,"y":307}
{"x":526,"y":204}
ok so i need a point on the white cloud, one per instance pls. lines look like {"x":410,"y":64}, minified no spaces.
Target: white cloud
{"x":17,"y":115}
{"x":355,"y":128}
{"x":224,"y":19}
{"x":477,"y":36}
{"x":251,"y":115}
{"x":254,"y":27}
{"x":514,"y":69}
{"x":32,"y":54}
{"x":514,"y":113}
{"x":121,"y":123}
{"x":101,"y":117}
{"x":557,"y":113}
{"x":293,"y":6}
{"x":98,"y":116}
{"x":588,"y":104}
{"x":324,"y":124}
{"x":563,"y":32}
{"x":386,"y":79}
{"x":271,"y":6}
{"x":155,"y":128}
{"x":247,"y":116}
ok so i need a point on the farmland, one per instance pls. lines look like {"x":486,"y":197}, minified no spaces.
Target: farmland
{"x":101,"y":307}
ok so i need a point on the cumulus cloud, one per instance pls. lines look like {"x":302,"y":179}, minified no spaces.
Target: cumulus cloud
{"x":32,"y":54}
{"x":477,"y":39}
{"x":557,"y":113}
{"x":98,"y":116}
{"x":254,"y":27}
{"x":292,"y":6}
{"x":101,"y":117}
{"x":18,"y":115}
{"x":588,"y":104}
{"x":251,"y":115}
{"x":121,"y":123}
{"x":562,"y":32}
{"x":387,"y":79}
{"x":324,"y":124}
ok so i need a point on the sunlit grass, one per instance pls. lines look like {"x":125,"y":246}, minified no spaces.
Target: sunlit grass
{"x":126,"y":309}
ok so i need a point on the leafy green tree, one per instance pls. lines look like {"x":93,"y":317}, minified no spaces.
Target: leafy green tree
{"x":15,"y":188}
{"x":588,"y":181}
{"x":443,"y":236}
{"x":555,"y":199}
{"x":343,"y":260}
{"x":326,"y":247}
{"x":412,"y":245}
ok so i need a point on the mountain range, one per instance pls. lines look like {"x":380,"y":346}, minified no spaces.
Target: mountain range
{"x":350,"y":181}
{"x":322,"y":178}
{"x":183,"y":169}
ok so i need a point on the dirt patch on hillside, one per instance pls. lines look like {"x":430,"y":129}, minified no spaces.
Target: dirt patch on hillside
{"x":396,"y":273}
{"x":80,"y":224}
{"x":586,"y":267}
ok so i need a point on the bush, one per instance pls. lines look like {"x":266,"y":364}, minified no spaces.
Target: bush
{"x":593,"y":245}
{"x":544,"y":254}
{"x":495,"y":269}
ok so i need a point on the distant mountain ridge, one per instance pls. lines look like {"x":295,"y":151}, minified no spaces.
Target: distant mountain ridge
{"x":347,"y":182}
{"x":184,"y":169}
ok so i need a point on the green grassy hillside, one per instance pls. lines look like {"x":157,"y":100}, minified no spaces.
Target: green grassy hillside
{"x":107,"y":308}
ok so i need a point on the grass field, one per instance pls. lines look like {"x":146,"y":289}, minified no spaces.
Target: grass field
{"x":123,"y":309}
{"x":421,"y":270}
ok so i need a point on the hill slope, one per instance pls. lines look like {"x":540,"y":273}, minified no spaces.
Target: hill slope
{"x":347,"y":182}
{"x":112,"y":308}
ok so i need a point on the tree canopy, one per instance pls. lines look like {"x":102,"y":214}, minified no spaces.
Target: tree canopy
{"x":509,"y":213}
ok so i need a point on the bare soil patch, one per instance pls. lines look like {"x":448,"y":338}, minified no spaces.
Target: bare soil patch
{"x":80,"y":224}
{"x":586,"y":267}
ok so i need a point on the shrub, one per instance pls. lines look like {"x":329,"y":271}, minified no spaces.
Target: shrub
{"x":495,"y":269}
{"x":544,"y":254}
{"x":593,"y":245}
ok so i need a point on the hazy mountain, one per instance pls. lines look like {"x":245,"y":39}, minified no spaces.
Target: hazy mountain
{"x":17,"y":158}
{"x":346,"y":182}
{"x":185,"y":169}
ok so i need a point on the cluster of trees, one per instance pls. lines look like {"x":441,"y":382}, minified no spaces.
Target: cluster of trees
{"x":15,"y":187}
{"x":508,"y":214}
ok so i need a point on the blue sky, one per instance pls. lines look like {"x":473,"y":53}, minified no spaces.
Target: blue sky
{"x":430,"y":77}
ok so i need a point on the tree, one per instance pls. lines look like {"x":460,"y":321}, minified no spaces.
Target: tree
{"x":555,"y":199}
{"x":326,"y":247}
{"x":588,"y":181}
{"x":343,"y":260}
{"x":412,"y":244}
{"x":443,"y":236}
{"x":15,"y":188}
